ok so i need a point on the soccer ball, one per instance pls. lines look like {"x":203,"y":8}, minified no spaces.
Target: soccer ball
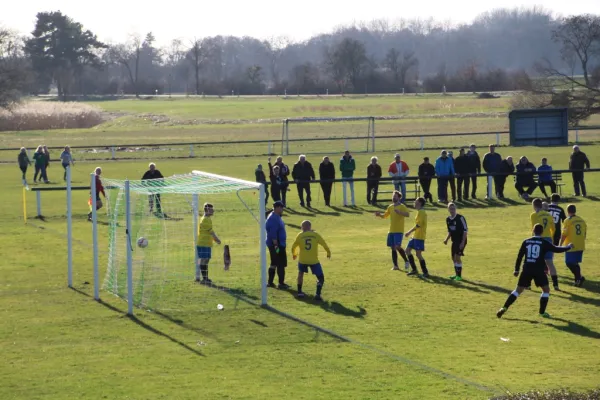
{"x":142,"y":242}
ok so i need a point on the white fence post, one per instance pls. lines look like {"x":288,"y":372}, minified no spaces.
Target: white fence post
{"x":191,"y":150}
{"x":576,"y":135}
{"x":113,"y":152}
{"x":69,"y":230}
{"x":489,"y":187}
{"x":497,"y":139}
{"x":129,"y":250}
{"x":422,"y":143}
{"x":269,"y":149}
{"x":95,"y":235}
{"x":38,"y":198}
{"x":346,"y":144}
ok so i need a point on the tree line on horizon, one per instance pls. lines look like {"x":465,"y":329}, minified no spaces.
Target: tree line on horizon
{"x":498,"y":51}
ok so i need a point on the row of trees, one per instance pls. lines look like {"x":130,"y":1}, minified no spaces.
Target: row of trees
{"x":490,"y":54}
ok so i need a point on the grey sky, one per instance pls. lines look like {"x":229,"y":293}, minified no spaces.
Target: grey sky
{"x":115,"y":20}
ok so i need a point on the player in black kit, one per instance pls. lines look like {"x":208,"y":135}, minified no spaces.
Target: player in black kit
{"x":534,"y":250}
{"x":457,"y":231}
{"x":559,"y":216}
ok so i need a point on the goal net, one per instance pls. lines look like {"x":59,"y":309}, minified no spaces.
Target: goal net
{"x":166,"y":212}
{"x":327,"y":135}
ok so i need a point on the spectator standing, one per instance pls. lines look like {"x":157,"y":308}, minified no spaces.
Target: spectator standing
{"x":444,"y":169}
{"x":452,"y":179}
{"x":153,"y":199}
{"x":303,"y":173}
{"x":260,"y":177}
{"x":277,"y":183}
{"x":545,"y":178}
{"x":506,"y":167}
{"x":577,"y":163}
{"x":462,"y":168}
{"x":99,"y":189}
{"x":281,"y":177}
{"x":47,"y":158}
{"x":39,"y":159}
{"x":491,"y":165}
{"x":525,"y":178}
{"x":474,"y":169}
{"x":426,"y":174}
{"x":374,"y":173}
{"x":67,"y":160}
{"x":326,"y":173}
{"x":24,"y":162}
{"x":398,"y":169}
{"x":347,"y":167}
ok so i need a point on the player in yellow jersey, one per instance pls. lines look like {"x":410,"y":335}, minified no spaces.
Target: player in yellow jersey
{"x":204,"y":241}
{"x":396,"y":212}
{"x":574,"y":232}
{"x":307,"y":244}
{"x":544,"y":218}
{"x":417,"y":242}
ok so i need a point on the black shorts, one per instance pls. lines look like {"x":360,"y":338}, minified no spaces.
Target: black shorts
{"x":539,"y":277}
{"x":455,"y":249}
{"x":278,"y":259}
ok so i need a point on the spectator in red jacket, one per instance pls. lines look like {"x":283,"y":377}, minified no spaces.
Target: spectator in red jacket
{"x":99,"y":189}
{"x":399,"y":171}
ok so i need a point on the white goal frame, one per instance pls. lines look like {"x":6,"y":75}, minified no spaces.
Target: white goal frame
{"x":261,"y":219}
{"x":285,"y":130}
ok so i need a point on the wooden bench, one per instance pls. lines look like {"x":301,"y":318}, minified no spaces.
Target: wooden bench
{"x":413,"y":190}
{"x":556,"y":177}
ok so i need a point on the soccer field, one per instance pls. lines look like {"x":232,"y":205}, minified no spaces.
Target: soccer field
{"x":392,"y":336}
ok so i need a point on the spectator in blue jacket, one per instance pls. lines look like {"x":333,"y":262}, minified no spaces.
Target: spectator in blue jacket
{"x":444,"y":169}
{"x":491,"y":165}
{"x":276,"y":242}
{"x":545,"y":178}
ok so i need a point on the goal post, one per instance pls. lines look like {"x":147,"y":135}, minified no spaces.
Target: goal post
{"x":166,"y":212}
{"x":318,"y":129}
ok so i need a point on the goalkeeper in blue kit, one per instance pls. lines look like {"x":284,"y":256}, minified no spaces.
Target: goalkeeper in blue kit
{"x":307,"y":244}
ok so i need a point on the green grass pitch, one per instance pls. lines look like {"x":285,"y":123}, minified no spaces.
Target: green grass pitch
{"x":394,"y":336}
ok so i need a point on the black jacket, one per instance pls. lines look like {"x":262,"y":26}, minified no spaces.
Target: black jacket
{"x":491,"y":162}
{"x":462,"y":165}
{"x":303,"y":172}
{"x":579,"y":161}
{"x":525,"y":173}
{"x":374,"y":171}
{"x":474,"y":163}
{"x":426,"y":171}
{"x":152,"y":175}
{"x":326,"y":171}
{"x":507,"y":168}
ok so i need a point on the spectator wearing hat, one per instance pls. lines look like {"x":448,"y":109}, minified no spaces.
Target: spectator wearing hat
{"x":398,"y":170}
{"x":577,"y":163}
{"x":276,"y":243}
{"x":426,"y":174}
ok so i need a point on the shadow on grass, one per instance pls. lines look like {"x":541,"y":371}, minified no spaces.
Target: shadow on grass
{"x":593,"y":198}
{"x":142,"y":324}
{"x":349,"y":210}
{"x":493,"y":288}
{"x":329,"y":306}
{"x":448,"y":282}
{"x":570,"y":327}
{"x":581,"y":299}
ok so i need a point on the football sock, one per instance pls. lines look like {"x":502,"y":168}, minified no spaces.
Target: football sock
{"x":402,"y":254}
{"x":197,"y":272}
{"x":394,"y":258}
{"x":511,"y":299}
{"x":281,"y":274}
{"x":577,"y":271}
{"x":423,"y":266}
{"x":554,"y":280}
{"x":204,"y":271}
{"x":411,"y":260}
{"x":544,"y":302}
{"x":271,"y":274}
{"x":299,"y":288}
{"x":572,"y":269}
{"x":320,"y":283}
{"x":459,"y":269}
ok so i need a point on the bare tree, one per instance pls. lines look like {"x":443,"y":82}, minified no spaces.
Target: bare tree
{"x":275,"y":48}
{"x":579,"y":37}
{"x":346,"y":62}
{"x":196,"y":55}
{"x":400,"y":64}
{"x":128,"y":55}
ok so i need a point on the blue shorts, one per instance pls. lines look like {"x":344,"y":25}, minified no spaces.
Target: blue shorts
{"x":204,"y":252}
{"x":316,"y":269}
{"x":394,"y":239}
{"x":417,"y":244}
{"x":549,"y":255}
{"x":574,"y":257}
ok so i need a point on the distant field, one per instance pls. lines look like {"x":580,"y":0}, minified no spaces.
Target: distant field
{"x":410,"y":338}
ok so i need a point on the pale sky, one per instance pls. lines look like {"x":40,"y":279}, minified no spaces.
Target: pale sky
{"x":115,"y":20}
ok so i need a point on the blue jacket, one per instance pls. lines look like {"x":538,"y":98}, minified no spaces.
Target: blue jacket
{"x":275,"y":230}
{"x":444,"y":168}
{"x":545,"y":173}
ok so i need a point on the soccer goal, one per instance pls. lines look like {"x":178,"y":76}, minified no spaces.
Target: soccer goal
{"x":158,"y":274}
{"x":327,"y":134}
